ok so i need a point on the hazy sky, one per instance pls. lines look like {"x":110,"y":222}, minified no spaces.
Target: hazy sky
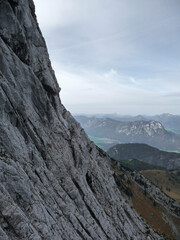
{"x":112,"y":56}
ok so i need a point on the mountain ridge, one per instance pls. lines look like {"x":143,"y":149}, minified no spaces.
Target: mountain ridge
{"x":149,"y":132}
{"x":169,"y":121}
{"x":145,"y":153}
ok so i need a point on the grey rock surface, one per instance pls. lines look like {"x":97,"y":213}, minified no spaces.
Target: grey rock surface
{"x":54,"y":183}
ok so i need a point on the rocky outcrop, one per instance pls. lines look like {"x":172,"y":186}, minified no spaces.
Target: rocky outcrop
{"x":157,"y":194}
{"x":54,"y":182}
{"x":160,"y":211}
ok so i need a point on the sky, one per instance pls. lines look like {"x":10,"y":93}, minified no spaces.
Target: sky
{"x":114,"y":56}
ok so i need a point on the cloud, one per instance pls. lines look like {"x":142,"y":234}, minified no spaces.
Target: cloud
{"x":107,"y":92}
{"x":114,"y":55}
{"x":55,"y":13}
{"x":173,"y":95}
{"x":133,"y":80}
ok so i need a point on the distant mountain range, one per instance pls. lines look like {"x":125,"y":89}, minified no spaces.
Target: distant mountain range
{"x":169,"y":121}
{"x":145,"y":153}
{"x":149,"y":132}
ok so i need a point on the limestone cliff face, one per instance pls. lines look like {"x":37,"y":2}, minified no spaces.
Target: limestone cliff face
{"x":54,"y":183}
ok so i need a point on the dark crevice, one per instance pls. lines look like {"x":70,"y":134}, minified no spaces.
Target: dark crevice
{"x":89,"y":181}
{"x":88,"y":233}
{"x":14,"y":4}
{"x":90,"y":211}
{"x":9,"y":229}
{"x":21,"y":127}
{"x":49,"y":89}
{"x":80,"y":234}
{"x":79,"y":189}
{"x":39,"y":177}
{"x":95,"y":218}
{"x":17,"y":41}
{"x":19,"y":48}
{"x":73,"y":152}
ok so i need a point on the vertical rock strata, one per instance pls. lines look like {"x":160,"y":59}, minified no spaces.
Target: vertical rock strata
{"x":54,"y":183}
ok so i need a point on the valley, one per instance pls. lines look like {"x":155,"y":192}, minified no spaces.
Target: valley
{"x":103,"y":143}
